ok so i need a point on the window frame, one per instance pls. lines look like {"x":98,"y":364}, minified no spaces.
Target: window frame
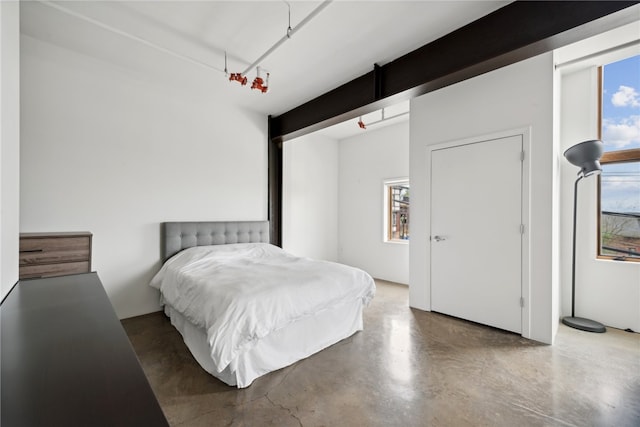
{"x":387,"y":207}
{"x":610,"y":157}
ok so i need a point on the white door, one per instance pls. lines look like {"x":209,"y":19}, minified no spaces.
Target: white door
{"x":476,"y":236}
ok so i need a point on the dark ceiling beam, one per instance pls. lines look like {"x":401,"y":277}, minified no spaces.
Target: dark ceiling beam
{"x":517,"y":31}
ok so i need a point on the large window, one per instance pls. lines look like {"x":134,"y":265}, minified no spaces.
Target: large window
{"x":619,"y":201}
{"x":396,"y":210}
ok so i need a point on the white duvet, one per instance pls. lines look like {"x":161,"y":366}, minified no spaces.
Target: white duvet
{"x":242,"y":292}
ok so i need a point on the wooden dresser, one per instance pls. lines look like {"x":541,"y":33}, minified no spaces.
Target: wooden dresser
{"x":54,"y":254}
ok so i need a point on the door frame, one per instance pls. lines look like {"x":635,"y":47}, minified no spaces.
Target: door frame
{"x":525,"y":133}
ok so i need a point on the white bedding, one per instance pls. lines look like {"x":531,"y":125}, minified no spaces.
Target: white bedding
{"x":241,"y":293}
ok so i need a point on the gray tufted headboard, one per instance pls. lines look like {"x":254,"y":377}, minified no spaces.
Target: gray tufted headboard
{"x":177,"y":236}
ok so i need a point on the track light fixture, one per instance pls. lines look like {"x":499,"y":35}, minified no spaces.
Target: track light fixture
{"x":259,"y":83}
{"x":233,"y":77}
{"x":238,"y":77}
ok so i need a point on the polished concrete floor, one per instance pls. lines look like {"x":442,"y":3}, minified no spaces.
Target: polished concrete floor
{"x":408,"y":368}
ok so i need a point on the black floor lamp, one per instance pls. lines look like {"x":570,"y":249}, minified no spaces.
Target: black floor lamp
{"x":586,"y":156}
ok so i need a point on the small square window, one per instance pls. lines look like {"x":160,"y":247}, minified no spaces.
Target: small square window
{"x":396,"y":211}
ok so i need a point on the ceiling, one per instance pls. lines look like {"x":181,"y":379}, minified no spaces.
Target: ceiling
{"x":183,"y":43}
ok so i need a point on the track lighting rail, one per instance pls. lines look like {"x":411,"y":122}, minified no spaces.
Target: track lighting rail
{"x":288,"y":35}
{"x":364,"y":125}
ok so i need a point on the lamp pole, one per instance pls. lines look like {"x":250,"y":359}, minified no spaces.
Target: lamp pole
{"x":573,"y":321}
{"x":573,"y":260}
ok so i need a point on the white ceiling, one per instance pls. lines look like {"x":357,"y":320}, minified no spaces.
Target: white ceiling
{"x":183,"y":42}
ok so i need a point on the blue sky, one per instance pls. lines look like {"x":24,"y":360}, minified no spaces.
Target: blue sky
{"x":621,"y":104}
{"x":621,"y":131}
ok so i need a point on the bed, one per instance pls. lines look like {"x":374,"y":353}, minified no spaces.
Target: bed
{"x":245,"y":307}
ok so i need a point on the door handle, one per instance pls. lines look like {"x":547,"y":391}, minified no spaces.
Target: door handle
{"x":438,"y":238}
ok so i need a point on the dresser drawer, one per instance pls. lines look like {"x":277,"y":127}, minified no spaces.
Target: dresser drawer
{"x":52,"y":270}
{"x":54,"y":254}
{"x":48,"y":250}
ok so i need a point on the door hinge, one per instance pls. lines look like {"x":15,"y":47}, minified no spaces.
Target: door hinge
{"x":522,"y":302}
{"x":522,"y":156}
{"x":522,"y":229}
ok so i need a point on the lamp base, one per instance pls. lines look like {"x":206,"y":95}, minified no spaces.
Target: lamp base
{"x":584,"y":324}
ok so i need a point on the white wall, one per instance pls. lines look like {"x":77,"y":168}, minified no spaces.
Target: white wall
{"x":108,"y":151}
{"x":333,"y":199}
{"x":517,"y":96}
{"x":9,"y":143}
{"x":365,"y":162}
{"x":606,"y":291}
{"x":310,"y":197}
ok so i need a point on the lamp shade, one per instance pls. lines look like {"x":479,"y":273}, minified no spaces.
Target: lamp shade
{"x":586,"y":156}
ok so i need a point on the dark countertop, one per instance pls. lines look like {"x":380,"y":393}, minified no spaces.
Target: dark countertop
{"x":66,"y":360}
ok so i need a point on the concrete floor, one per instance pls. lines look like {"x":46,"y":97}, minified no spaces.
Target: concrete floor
{"x":408,"y":368}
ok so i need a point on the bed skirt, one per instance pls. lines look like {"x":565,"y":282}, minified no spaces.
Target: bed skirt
{"x":277,"y":350}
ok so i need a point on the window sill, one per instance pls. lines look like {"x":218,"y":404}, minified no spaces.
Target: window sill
{"x":613,"y":259}
{"x":397,"y":242}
